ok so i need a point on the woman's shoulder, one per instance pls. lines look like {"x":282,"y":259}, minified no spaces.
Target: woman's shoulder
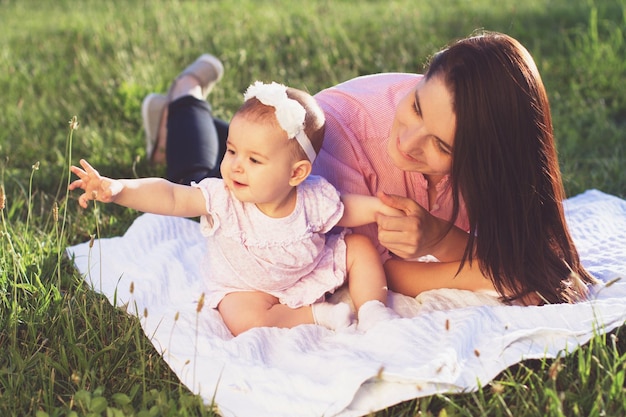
{"x":366,"y":103}
{"x":373,"y":83}
{"x":383,"y":77}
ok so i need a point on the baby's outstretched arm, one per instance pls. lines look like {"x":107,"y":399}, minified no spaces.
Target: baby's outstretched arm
{"x":150,"y":195}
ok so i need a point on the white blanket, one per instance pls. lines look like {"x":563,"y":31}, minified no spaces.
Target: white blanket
{"x":449,"y":341}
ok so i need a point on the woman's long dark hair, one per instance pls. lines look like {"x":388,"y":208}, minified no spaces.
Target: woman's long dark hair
{"x":505,"y":168}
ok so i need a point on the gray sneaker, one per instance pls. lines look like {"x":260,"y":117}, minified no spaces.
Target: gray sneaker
{"x":152,"y":109}
{"x":207,"y":69}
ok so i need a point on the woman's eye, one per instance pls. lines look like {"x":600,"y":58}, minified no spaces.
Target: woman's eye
{"x":443,"y":147}
{"x":416,"y":109}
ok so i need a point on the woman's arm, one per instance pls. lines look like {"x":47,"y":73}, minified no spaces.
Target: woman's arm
{"x":150,"y":195}
{"x":413,"y":278}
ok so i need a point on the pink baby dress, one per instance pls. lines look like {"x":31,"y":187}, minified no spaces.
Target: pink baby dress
{"x":292,"y":258}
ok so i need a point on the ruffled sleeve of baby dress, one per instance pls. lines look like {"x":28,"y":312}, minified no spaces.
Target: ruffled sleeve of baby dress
{"x":215,"y":195}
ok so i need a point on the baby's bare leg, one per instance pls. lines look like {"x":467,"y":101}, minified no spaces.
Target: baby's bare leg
{"x":244,"y":310}
{"x":366,"y":276}
{"x":367,"y":282}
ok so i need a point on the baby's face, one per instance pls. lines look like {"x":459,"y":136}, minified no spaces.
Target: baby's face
{"x":258,"y":162}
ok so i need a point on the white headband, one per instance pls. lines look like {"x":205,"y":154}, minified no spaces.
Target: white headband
{"x":289,"y":113}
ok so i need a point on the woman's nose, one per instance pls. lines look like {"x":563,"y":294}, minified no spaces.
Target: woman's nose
{"x":411,"y":141}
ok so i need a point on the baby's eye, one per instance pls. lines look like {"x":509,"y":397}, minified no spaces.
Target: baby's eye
{"x":230,"y":151}
{"x":255,"y":161}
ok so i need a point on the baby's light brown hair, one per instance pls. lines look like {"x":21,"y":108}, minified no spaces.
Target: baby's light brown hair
{"x":314,"y":120}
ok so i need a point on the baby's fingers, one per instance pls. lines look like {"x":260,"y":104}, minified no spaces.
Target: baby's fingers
{"x":104,"y":193}
{"x":88,"y":168}
{"x":76,"y":184}
{"x":78,"y":172}
{"x":83,"y":200}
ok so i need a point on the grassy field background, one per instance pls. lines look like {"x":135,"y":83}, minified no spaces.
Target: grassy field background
{"x":65,"y":351}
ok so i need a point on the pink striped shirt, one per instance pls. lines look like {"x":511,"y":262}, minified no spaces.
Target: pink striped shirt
{"x":359,"y":114}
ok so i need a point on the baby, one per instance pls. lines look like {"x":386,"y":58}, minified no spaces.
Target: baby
{"x":271,"y":255}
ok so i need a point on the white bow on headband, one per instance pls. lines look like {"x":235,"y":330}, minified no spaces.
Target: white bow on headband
{"x":289,"y":113}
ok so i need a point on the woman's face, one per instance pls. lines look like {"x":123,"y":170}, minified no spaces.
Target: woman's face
{"x":422,"y":134}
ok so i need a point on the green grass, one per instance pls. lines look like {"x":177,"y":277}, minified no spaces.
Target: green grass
{"x":65,"y":351}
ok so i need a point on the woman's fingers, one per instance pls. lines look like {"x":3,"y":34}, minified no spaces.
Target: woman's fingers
{"x":403,"y":235}
{"x":404,"y":251}
{"x":405,"y":224}
{"x":399,"y":234}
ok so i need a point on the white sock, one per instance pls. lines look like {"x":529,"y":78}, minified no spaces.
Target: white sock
{"x":373,"y":312}
{"x":333,"y":316}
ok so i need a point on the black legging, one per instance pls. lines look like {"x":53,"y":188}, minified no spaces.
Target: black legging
{"x":196,"y":142}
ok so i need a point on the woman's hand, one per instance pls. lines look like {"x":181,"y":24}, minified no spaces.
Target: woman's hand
{"x":406,"y":236}
{"x":418,"y":232}
{"x":96,"y":187}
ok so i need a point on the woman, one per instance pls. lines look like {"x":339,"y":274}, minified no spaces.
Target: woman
{"x":466,"y":152}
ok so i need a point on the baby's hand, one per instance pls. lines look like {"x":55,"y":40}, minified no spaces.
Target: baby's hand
{"x":96,"y":187}
{"x":390,"y":211}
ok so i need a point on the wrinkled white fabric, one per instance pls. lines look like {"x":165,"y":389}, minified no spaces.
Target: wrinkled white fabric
{"x":447,"y":340}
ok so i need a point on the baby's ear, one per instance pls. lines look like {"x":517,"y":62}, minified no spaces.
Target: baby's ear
{"x":299,"y":172}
